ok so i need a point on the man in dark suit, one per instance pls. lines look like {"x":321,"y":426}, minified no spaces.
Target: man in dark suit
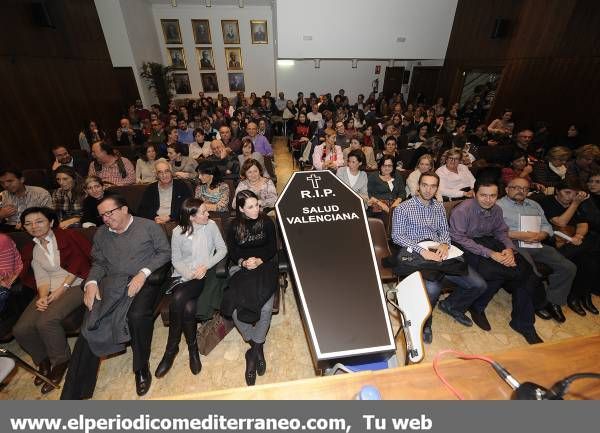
{"x":63,"y":157}
{"x":162,"y":199}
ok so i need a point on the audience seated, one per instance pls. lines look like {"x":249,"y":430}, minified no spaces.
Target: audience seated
{"x":386,"y":189}
{"x":515,"y":205}
{"x":199,"y":148}
{"x":328,"y":156}
{"x":456,"y":180}
{"x":94,"y":188}
{"x":353,"y":174}
{"x":253,"y":179}
{"x":569,"y":211}
{"x":196,"y":246}
{"x":477,"y":228}
{"x":183,"y":167}
{"x":248,"y":152}
{"x":90,"y":134}
{"x":17,"y":197}
{"x":126,"y":251}
{"x":230,"y":141}
{"x":584,"y":164}
{"x":226,"y":162}
{"x":55,"y":263}
{"x":423,"y":218}
{"x":212,"y":191}
{"x":162,"y":199}
{"x":114,"y":170}
{"x":144,"y":167}
{"x":10,"y":268}
{"x":370,"y":162}
{"x":63,"y":157}
{"x":261,"y":144}
{"x":553,"y":170}
{"x":425,"y":164}
{"x":68,"y":198}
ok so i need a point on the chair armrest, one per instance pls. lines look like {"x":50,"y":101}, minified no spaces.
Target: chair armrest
{"x":222,"y":268}
{"x":157,"y":277}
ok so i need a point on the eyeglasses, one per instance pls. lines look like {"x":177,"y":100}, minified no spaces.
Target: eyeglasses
{"x":110,"y":212}
{"x":519,"y":188}
{"x":452,"y":159}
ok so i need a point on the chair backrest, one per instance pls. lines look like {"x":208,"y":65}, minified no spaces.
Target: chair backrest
{"x":449,"y":206}
{"x":381,"y":248}
{"x":132,"y":193}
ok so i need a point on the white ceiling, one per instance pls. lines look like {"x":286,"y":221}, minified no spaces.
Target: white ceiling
{"x":214,"y":2}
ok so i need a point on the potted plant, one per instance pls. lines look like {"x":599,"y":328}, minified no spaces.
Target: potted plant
{"x":159,"y":79}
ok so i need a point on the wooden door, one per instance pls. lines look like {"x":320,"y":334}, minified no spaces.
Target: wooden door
{"x":424,"y":81}
{"x":392,"y":83}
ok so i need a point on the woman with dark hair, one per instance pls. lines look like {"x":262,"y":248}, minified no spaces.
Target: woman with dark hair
{"x":248,"y":152}
{"x":386,"y":188}
{"x":183,"y":167}
{"x":420,"y":137}
{"x":301,"y":133}
{"x":350,"y":128}
{"x":371,"y":138}
{"x":573,"y":138}
{"x":94,"y":188}
{"x":519,"y":167}
{"x":68,"y":197}
{"x":144,"y":167}
{"x":353,"y":174}
{"x":196,"y":246}
{"x":252,"y":246}
{"x":55,"y":263}
{"x":504,"y":125}
{"x":359,"y":119}
{"x":369,"y":163}
{"x":212,"y":191}
{"x":253,"y":179}
{"x":90,"y":134}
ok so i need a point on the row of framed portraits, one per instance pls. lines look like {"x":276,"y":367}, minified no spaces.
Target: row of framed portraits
{"x":206,"y":60}
{"x":210,"y":84}
{"x":202,"y":35}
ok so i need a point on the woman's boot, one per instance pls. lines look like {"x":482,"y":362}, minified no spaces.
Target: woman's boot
{"x":261,"y":363}
{"x":250,"y":374}
{"x":190,"y":332}
{"x":166,"y":362}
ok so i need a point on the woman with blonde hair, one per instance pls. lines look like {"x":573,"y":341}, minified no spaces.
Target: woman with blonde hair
{"x":456,"y":180}
{"x":425,"y":164}
{"x":553,"y":170}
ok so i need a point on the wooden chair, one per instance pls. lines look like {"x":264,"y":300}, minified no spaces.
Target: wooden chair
{"x":382,"y":250}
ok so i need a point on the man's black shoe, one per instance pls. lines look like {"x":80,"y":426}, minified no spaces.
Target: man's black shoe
{"x":480,"y":320}
{"x":543,"y":313}
{"x":459,"y":316}
{"x":586,"y":302}
{"x":575,"y":305}
{"x":556,"y":313}
{"x":530,"y":336}
{"x":143,"y":380}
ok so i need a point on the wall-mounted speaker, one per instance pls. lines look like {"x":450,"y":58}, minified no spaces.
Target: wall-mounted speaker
{"x":500,"y":29}
{"x":40,"y":14}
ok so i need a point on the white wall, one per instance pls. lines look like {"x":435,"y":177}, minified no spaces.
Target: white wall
{"x":130,"y":37}
{"x":258,"y":59}
{"x":331,"y":76}
{"x":364,"y":29}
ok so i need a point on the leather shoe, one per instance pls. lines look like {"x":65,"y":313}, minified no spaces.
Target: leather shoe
{"x":165,"y":363}
{"x":556,"y":313}
{"x":586,"y":302}
{"x":459,"y":316}
{"x":543,"y":313}
{"x":250,"y":373}
{"x":480,"y":320}
{"x":55,"y":376}
{"x":44,"y":369}
{"x":427,"y":335}
{"x":143,"y":380}
{"x":261,"y":363}
{"x":195,"y":363}
{"x":530,"y":336}
{"x":575,"y":305}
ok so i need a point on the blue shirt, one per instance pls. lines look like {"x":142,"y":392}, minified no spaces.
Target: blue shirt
{"x":414,"y":221}
{"x":262,"y":145}
{"x":186,"y":136}
{"x":512,"y":211}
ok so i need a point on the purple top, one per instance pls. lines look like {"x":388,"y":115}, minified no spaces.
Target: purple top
{"x":262,"y":145}
{"x":469,"y":220}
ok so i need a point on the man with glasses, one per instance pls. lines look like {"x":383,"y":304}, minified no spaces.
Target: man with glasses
{"x":157,"y":136}
{"x":162,"y":200}
{"x":477,"y":227}
{"x":340,"y":135}
{"x":517,"y":210}
{"x":63,"y":157}
{"x":423,"y":218}
{"x":119,"y":297}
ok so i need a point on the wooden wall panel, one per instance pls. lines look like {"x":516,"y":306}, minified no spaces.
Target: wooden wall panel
{"x":550,"y":59}
{"x":55,"y":79}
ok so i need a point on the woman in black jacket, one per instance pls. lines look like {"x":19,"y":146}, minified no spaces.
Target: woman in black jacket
{"x":252,"y":246}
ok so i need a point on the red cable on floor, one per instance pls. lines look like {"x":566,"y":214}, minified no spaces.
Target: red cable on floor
{"x":460,"y":355}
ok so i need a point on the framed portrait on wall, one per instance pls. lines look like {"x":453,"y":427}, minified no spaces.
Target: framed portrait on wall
{"x":182,"y":84}
{"x":209,"y":82}
{"x":171,"y":31}
{"x":201,"y":30}
{"x":231,"y":31}
{"x":206,"y":60}
{"x":177,"y":58}
{"x":258,"y":32}
{"x":233,"y":57}
{"x":236,"y":82}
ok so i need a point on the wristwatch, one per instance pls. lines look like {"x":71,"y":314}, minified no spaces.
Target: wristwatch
{"x":66,"y":286}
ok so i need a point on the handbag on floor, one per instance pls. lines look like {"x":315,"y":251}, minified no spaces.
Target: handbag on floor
{"x":212,"y":332}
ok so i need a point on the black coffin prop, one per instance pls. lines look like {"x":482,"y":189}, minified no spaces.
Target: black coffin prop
{"x":327,"y":237}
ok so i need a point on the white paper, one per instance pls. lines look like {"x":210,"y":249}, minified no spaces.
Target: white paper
{"x":564,"y":236}
{"x":530,"y":223}
{"x":453,"y":252}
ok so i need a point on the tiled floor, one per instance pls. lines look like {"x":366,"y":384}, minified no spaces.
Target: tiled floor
{"x":287,"y":351}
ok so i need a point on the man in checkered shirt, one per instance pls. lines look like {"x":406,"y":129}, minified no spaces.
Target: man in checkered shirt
{"x":423,"y":218}
{"x":113,"y":169}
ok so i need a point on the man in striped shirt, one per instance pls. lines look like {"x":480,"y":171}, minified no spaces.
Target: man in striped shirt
{"x":424,"y":218}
